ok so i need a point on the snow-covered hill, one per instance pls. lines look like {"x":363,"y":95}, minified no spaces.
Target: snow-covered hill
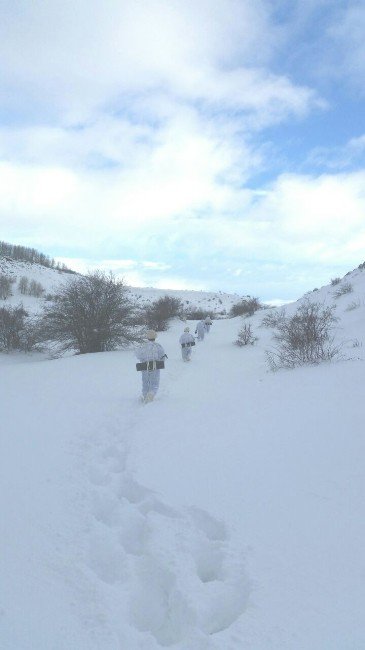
{"x":226,"y":515}
{"x":50,"y":279}
{"x":216,"y":302}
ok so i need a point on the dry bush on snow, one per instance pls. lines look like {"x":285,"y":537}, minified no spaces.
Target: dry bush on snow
{"x":246,"y":307}
{"x":273,"y":318}
{"x":346,"y":287}
{"x":92,"y":313}
{"x":158,"y":313}
{"x":355,"y":304}
{"x":245,"y":336}
{"x":194,"y":313}
{"x":304,"y":338}
{"x":335,"y":281}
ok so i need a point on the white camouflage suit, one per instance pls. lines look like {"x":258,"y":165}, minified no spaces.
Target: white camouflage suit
{"x":200,"y":330}
{"x":150,"y":351}
{"x":208,"y":324}
{"x":186,"y":351}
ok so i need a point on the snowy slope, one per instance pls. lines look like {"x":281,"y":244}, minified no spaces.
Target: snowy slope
{"x":50,"y":279}
{"x":227,"y":515}
{"x":215,"y":302}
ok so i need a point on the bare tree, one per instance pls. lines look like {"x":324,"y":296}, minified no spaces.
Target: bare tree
{"x":23,"y":285}
{"x":5,"y":286}
{"x":92,"y":313}
{"x":35,"y":289}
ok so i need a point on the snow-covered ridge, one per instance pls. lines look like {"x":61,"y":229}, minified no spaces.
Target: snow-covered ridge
{"x":216,"y":302}
{"x":50,"y":279}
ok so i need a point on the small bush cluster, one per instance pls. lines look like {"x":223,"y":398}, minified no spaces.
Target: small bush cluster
{"x":245,"y":336}
{"x":335,"y":281}
{"x":355,"y":304}
{"x":274,"y":318}
{"x":194,"y":313}
{"x":304,"y":338}
{"x":246,"y":307}
{"x":161,"y":311}
{"x":346,"y":287}
{"x":17,"y":330}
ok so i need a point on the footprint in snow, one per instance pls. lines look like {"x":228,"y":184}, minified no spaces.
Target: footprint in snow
{"x":173,"y":568}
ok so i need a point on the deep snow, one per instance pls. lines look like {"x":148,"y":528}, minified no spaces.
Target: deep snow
{"x":228,"y":514}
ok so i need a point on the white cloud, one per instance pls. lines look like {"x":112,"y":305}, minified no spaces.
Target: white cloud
{"x":74,"y":59}
{"x":137,"y":131}
{"x":341,"y":157}
{"x":297,"y":219}
{"x":346,"y":35}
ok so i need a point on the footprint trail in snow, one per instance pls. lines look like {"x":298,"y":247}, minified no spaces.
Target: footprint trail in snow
{"x":166,"y":576}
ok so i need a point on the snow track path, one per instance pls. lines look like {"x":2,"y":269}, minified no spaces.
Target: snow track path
{"x":225,"y":515}
{"x":128,"y":569}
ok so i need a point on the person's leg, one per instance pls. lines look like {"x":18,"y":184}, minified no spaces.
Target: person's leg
{"x":145,"y":383}
{"x":154,"y":381}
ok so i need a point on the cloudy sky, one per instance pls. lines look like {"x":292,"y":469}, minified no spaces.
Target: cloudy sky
{"x":205,"y":144}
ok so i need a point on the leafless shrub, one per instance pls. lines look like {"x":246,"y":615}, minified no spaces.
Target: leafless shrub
{"x":245,"y":336}
{"x":274,"y":318}
{"x":246,"y":307}
{"x":356,"y":343}
{"x":193,"y":313}
{"x":11,"y":326}
{"x":346,"y":287}
{"x":335,"y":281}
{"x":304,"y":338}
{"x":159,"y":313}
{"x":92,"y":313}
{"x":355,"y":304}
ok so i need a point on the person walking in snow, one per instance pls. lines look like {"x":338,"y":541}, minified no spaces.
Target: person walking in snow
{"x":186,"y":341}
{"x":149,"y":353}
{"x":200,"y":330}
{"x":208,"y":324}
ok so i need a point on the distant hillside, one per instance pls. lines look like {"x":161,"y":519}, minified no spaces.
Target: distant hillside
{"x":48,"y":278}
{"x":218,"y":302}
{"x":25,"y":254}
{"x":51,"y":278}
